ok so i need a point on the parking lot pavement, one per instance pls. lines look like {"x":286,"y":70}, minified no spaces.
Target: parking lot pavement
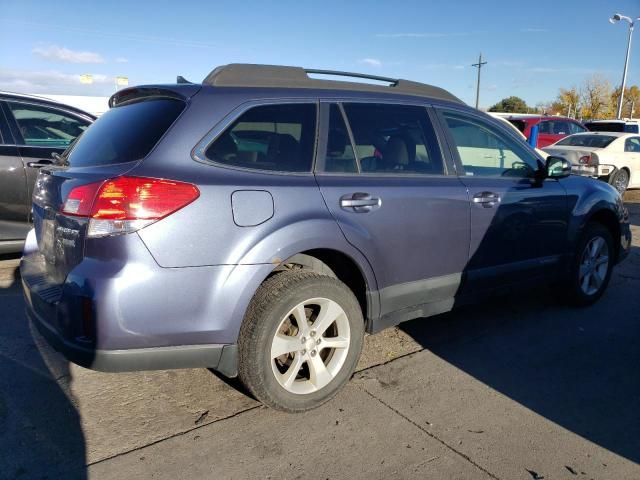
{"x":517,"y":388}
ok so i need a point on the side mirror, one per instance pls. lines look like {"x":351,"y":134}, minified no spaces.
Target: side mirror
{"x":558,"y":167}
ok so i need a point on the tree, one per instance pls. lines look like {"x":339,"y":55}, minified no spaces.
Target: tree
{"x":567,"y":102}
{"x":510,"y":105}
{"x":630,"y":103}
{"x":596,"y":97}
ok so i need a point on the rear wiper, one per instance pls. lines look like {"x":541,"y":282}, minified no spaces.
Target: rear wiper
{"x":60,"y":160}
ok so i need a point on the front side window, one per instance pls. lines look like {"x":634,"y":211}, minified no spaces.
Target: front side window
{"x":394,"y":139}
{"x":269,"y":137}
{"x":484,"y":152}
{"x":42,"y":126}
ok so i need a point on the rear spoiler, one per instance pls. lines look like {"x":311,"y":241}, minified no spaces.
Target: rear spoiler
{"x":132,"y":94}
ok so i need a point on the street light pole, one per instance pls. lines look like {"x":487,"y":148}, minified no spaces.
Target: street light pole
{"x":479,"y":67}
{"x":616,"y":18}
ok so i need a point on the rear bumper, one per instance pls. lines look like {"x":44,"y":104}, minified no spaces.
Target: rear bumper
{"x":118,"y":310}
{"x":157,"y":358}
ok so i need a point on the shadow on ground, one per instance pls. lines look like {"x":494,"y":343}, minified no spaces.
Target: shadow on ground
{"x":40,"y":432}
{"x":576,"y":367}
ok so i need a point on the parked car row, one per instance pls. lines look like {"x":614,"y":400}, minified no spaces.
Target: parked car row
{"x":260,"y":222}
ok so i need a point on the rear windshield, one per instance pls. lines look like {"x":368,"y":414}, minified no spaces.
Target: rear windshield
{"x":595,"y":141}
{"x":125,"y":133}
{"x":519,"y":124}
{"x":605,"y":126}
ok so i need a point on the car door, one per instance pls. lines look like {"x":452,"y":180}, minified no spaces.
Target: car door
{"x":632,"y":160}
{"x":518,"y":222}
{"x":385,"y":180}
{"x":41,"y":130}
{"x":13,"y":191}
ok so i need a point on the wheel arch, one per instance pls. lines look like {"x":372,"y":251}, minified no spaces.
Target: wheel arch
{"x":609,"y":219}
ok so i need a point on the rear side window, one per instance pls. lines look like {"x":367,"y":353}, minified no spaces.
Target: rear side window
{"x":394,"y":139}
{"x":269,"y":137}
{"x":42,"y":126}
{"x":575,"y":128}
{"x":125,"y":133}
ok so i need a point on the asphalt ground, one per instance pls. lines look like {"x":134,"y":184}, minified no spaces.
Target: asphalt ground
{"x":520,"y":387}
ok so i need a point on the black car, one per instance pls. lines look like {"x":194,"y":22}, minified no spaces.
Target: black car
{"x":31,"y":130}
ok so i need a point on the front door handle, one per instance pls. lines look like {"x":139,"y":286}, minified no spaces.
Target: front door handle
{"x":487,"y":199}
{"x":359,"y":202}
{"x":40,"y":163}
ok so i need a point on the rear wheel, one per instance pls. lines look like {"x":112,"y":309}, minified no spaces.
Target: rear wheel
{"x":300,"y":340}
{"x":620,"y":180}
{"x":592,"y":265}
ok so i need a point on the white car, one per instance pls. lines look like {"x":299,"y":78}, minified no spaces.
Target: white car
{"x":610,"y":156}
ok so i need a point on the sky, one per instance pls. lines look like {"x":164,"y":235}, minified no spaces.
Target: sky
{"x":532,"y":48}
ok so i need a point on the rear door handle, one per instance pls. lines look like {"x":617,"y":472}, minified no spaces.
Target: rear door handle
{"x":40,"y":163}
{"x":487,"y":199}
{"x":359,"y":202}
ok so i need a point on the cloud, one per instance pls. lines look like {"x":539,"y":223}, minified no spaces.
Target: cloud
{"x":423,"y":35}
{"x":62,"y":54}
{"x":28,"y":81}
{"x":533,"y":30}
{"x":122,"y":60}
{"x":372,"y":62}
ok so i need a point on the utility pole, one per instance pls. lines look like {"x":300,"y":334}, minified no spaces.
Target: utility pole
{"x":479,"y":67}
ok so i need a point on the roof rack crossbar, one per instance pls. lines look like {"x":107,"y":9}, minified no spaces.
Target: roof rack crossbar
{"x":393,"y":81}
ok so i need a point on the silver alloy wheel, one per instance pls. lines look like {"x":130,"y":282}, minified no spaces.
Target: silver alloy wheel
{"x":594,"y":265}
{"x":621,"y":181}
{"x":310,"y":345}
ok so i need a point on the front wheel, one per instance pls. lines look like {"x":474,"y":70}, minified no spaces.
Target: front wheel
{"x":592,"y":265}
{"x":300,"y":340}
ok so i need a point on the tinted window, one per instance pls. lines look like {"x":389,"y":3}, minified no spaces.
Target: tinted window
{"x":632,"y":145}
{"x":519,"y":124}
{"x":394,"y":139}
{"x":340,"y":156}
{"x":46,"y":127}
{"x":576,"y":128}
{"x":484,"y":151}
{"x":606,"y":126}
{"x":596,"y":141}
{"x":125,"y":133}
{"x":270,"y":137}
{"x":555,"y":127}
{"x":631,"y":128}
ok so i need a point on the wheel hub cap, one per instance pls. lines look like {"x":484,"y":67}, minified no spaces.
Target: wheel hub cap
{"x":310,"y":345}
{"x":594,"y":266}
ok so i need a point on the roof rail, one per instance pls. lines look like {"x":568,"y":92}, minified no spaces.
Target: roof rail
{"x":251,"y":75}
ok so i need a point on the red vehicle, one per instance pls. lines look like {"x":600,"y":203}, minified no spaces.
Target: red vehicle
{"x":550,"y":128}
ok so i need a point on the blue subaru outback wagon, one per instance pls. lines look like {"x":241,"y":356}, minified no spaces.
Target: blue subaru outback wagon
{"x":261,"y":222}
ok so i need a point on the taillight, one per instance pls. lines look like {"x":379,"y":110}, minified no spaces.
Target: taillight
{"x":127,"y":204}
{"x":591,"y":159}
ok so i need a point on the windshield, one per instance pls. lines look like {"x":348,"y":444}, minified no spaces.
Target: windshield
{"x":594,"y":141}
{"x":125,"y":133}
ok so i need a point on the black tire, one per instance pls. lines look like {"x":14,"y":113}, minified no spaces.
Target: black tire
{"x":620,"y":180}
{"x":271,"y":303}
{"x":578,"y":296}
